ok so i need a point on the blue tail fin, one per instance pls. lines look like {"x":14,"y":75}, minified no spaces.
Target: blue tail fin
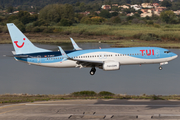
{"x":21,"y":43}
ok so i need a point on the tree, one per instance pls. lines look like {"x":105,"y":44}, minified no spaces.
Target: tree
{"x":77,"y":3}
{"x":115,"y":19}
{"x":56,"y":12}
{"x":129,"y":10}
{"x":167,"y":16}
{"x":166,"y":3}
{"x":105,"y":14}
{"x":65,"y":22}
{"x":10,"y":9}
{"x":114,"y":8}
{"x":68,"y":12}
{"x":92,"y":20}
{"x":107,"y":2}
{"x":12,"y":17}
{"x":51,"y":13}
{"x":19,"y":24}
{"x":114,"y":14}
{"x":147,"y":1}
{"x":130,"y":18}
{"x":39,"y":23}
{"x":1,"y":18}
{"x":137,"y":15}
{"x":132,"y":2}
{"x":82,"y":6}
{"x":24,"y":16}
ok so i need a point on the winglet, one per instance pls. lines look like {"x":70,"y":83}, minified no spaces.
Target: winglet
{"x":76,"y":47}
{"x":64,"y":55}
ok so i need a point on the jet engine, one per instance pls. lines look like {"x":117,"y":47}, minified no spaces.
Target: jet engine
{"x":111,"y":65}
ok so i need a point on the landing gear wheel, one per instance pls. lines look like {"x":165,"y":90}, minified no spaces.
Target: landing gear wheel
{"x":93,"y":70}
{"x":160,"y":68}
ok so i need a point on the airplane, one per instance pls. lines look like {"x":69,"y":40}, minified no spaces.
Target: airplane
{"x":107,"y":59}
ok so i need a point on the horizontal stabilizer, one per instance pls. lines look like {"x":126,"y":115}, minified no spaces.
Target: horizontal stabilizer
{"x":21,"y":56}
{"x":13,"y":52}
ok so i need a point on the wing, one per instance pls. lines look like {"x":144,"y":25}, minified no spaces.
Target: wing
{"x":86,"y":63}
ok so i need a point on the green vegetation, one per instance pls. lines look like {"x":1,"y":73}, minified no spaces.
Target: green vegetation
{"x":81,"y":5}
{"x":84,"y":93}
{"x":142,"y":32}
{"x":118,"y":35}
{"x":86,"y":19}
{"x":15,"y":98}
{"x":169,"y":16}
{"x":105,"y":93}
{"x":58,"y":13}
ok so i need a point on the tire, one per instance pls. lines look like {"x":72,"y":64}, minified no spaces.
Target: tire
{"x":92,"y":72}
{"x":160,"y":68}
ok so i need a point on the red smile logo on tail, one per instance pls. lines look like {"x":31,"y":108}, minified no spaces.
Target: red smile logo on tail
{"x":19,"y":46}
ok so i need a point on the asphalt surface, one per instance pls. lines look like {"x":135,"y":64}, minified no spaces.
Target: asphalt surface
{"x":92,"y":110}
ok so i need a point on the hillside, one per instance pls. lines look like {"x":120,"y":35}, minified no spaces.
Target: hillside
{"x":42,"y":3}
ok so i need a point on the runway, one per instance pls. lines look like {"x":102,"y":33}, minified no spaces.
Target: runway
{"x":92,"y":109}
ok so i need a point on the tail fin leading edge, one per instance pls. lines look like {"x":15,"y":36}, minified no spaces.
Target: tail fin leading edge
{"x":21,"y":43}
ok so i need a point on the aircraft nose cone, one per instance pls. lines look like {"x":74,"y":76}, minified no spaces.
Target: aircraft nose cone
{"x":175,"y":56}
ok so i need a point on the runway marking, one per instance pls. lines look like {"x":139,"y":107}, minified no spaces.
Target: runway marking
{"x":101,"y":105}
{"x":8,"y":106}
{"x":10,"y":110}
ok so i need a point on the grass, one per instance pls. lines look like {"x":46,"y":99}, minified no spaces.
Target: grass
{"x":21,"y":98}
{"x":140,"y":43}
{"x":170,"y":33}
{"x":166,"y":36}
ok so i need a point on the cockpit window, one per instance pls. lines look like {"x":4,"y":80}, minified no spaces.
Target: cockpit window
{"x":167,"y":51}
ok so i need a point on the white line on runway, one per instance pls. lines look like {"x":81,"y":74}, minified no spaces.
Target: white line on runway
{"x":102,"y":105}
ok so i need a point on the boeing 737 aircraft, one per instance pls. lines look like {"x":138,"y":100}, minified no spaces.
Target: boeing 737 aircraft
{"x":106,"y":59}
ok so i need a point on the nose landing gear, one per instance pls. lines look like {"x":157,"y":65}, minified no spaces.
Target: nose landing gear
{"x":163,"y":63}
{"x":160,"y":68}
{"x":93,"y":70}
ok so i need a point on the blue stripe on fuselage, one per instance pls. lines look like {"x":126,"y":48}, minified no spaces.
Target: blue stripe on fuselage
{"x":154,"y":53}
{"x":43,"y":55}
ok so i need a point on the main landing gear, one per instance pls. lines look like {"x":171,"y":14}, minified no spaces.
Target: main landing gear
{"x":93,"y":70}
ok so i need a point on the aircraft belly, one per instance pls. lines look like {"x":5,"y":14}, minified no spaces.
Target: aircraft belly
{"x":133,"y":60}
{"x":64,"y":64}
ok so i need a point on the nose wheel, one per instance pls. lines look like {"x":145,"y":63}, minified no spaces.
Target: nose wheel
{"x":160,"y":68}
{"x":93,"y":70}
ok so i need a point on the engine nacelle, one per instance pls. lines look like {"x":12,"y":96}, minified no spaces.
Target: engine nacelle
{"x":111,"y":65}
